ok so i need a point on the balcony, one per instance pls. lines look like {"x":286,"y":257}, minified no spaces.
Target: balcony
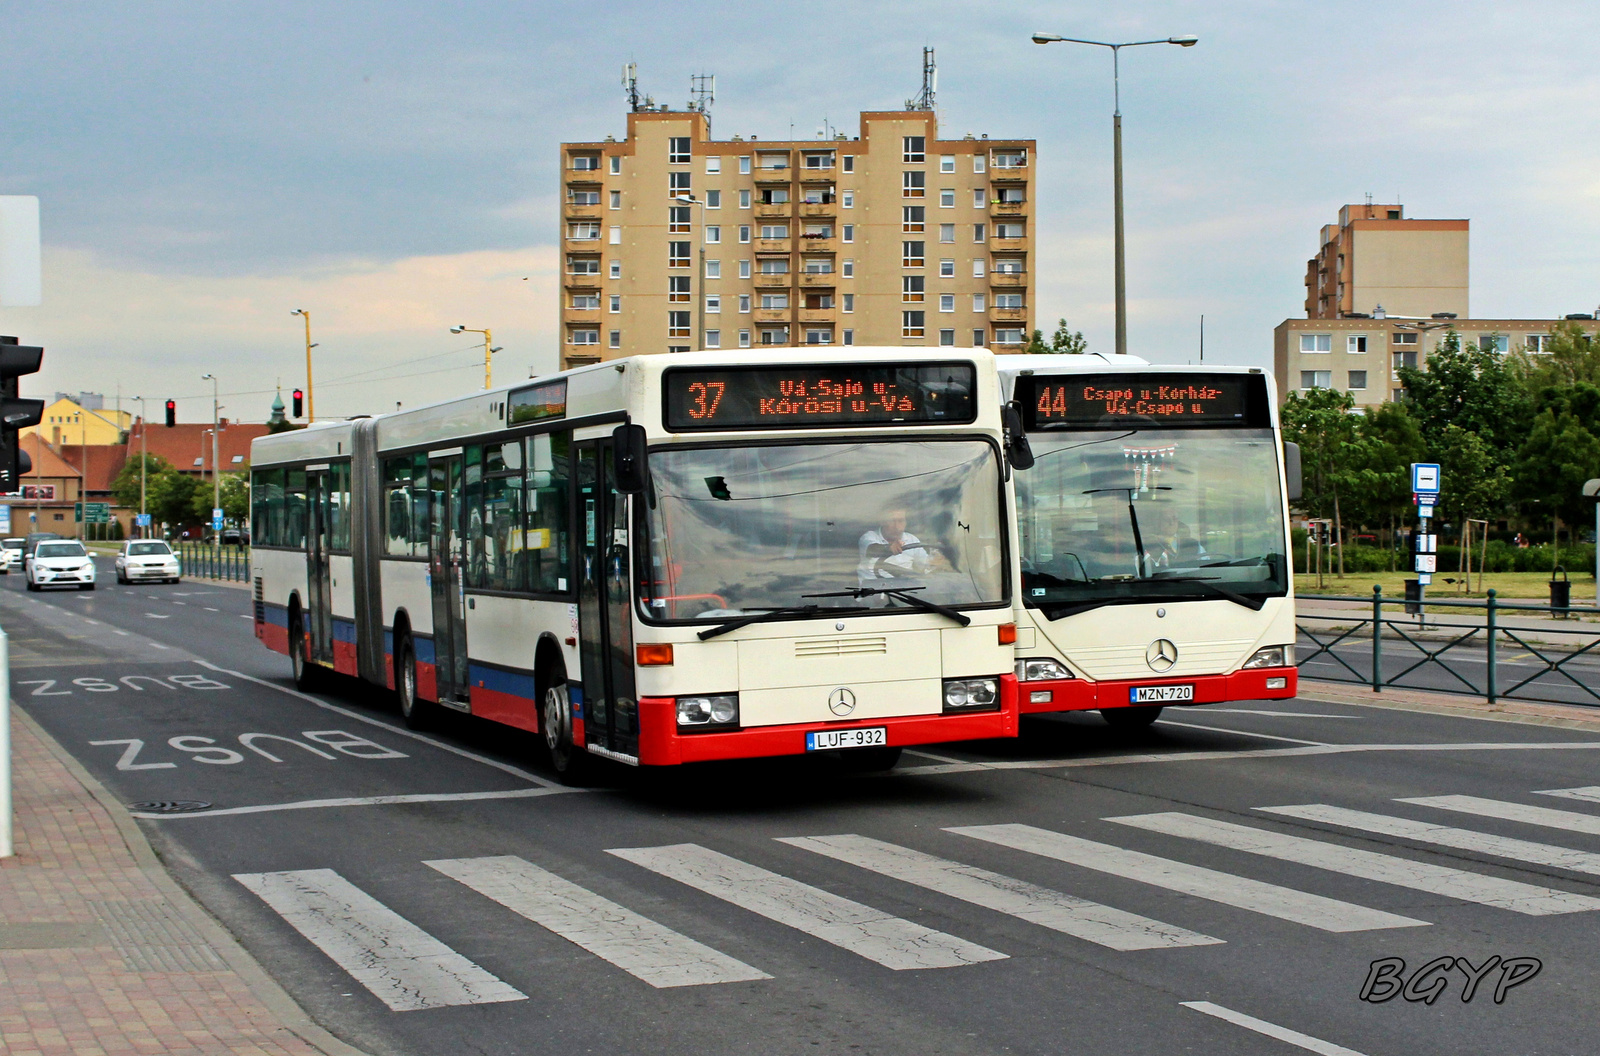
{"x":782,"y":281}
{"x":575,"y":211}
{"x":1004,"y":209}
{"x":580,"y":316}
{"x":818,"y":315}
{"x":1008,"y":279}
{"x":818,"y":208}
{"x":818,"y":244}
{"x":581,"y":282}
{"x":776,"y":210}
{"x":771,"y":315}
{"x":813,"y":279}
{"x":1008,"y":174}
{"x":1008,"y":315}
{"x":773,"y":245}
{"x":784,"y":175}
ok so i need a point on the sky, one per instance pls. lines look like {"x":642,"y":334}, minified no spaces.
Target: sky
{"x":204,"y":168}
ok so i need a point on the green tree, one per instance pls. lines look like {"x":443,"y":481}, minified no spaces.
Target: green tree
{"x":125,"y":488}
{"x":235,"y":498}
{"x":1562,"y":451}
{"x":1475,"y":480}
{"x":1065,"y":341}
{"x":1571,"y":357}
{"x":1477,"y":389}
{"x":171,"y":498}
{"x":1321,"y":423}
{"x":1387,"y":441}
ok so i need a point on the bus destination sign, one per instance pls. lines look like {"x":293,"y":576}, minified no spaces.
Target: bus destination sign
{"x":1120,"y":400}
{"x":798,"y":397}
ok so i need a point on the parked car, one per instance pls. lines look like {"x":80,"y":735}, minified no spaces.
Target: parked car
{"x":60,"y":563}
{"x":236,"y":537}
{"x":143,"y":560}
{"x":10,"y":554}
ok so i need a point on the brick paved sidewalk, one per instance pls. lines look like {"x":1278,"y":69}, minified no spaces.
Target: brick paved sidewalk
{"x":101,"y":952}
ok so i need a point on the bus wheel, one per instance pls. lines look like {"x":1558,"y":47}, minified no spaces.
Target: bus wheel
{"x":1130,"y":718}
{"x":869,"y":760}
{"x":556,"y":724}
{"x":413,"y":709}
{"x":305,"y":676}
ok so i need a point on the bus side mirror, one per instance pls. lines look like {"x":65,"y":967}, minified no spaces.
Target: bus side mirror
{"x":1018,"y":451}
{"x":1291,"y":470}
{"x":629,"y":453}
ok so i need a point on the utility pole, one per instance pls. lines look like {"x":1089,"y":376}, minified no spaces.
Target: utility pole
{"x":489,"y":349}
{"x":311,"y":407}
{"x":144,"y":463}
{"x":216,"y":448}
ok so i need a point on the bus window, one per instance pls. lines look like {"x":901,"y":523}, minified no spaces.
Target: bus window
{"x":295,"y":509}
{"x":471,"y":506}
{"x":421,"y":519}
{"x":501,"y":515}
{"x":545,"y":524}
{"x":397,"y":506}
{"x":339,"y":506}
{"x":266,"y":507}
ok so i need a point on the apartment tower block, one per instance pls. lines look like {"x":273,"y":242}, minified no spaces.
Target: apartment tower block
{"x":673,"y":241}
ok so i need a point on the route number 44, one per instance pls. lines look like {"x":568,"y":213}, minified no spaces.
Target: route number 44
{"x":207,"y":750}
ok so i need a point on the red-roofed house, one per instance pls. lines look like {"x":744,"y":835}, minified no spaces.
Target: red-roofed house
{"x":187,"y":446}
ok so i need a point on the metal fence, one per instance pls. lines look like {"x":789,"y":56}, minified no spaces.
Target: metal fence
{"x":204,"y":561}
{"x":1490,"y":648}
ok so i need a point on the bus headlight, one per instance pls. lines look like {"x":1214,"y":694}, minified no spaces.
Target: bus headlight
{"x":721,"y":710}
{"x":971,"y":694}
{"x":1271,"y":656}
{"x":1041,"y":670}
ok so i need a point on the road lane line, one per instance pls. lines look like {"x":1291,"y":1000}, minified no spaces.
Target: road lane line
{"x":1528,"y":899}
{"x":1444,"y":836}
{"x":636,"y":944}
{"x":1257,"y":896}
{"x":1271,"y":1030}
{"x":870,"y":933}
{"x":360,"y":801}
{"x":1585,"y":793}
{"x":1113,"y":928}
{"x":404,"y":967}
{"x":1569,"y":820}
{"x":1241,"y":733}
{"x":1278,"y":714}
{"x":398,"y":731}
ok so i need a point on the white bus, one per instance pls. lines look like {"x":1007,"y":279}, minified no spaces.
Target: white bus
{"x":1152,"y":534}
{"x":663,"y":559}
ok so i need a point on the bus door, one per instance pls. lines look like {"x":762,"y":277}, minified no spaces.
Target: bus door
{"x":445,"y":583}
{"x":319,"y":541}
{"x":605,"y":617}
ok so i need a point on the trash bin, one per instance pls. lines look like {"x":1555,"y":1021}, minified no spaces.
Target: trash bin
{"x":1560,"y":592}
{"x":1413,"y":597}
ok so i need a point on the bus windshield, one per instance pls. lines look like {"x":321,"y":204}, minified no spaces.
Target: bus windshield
{"x":1136,"y":515}
{"x":747,"y":529}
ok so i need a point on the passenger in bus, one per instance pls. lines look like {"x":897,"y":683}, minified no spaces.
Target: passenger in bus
{"x":890,"y":552}
{"x":1171,"y":543}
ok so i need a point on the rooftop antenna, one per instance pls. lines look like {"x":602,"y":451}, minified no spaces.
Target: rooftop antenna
{"x":930,"y":83}
{"x":630,"y":84}
{"x":702,"y":93}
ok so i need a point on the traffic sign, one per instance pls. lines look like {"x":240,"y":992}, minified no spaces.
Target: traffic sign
{"x":216,"y":518}
{"x":97,"y":513}
{"x":141,"y":520}
{"x":5,"y":520}
{"x":1425,"y":478}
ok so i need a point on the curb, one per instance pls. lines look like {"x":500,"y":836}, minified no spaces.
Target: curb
{"x":1560,"y":716}
{"x":276,"y":1000}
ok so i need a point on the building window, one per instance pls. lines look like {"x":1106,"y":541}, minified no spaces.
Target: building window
{"x":1008,"y":230}
{"x":744,"y":303}
{"x":912,"y":217}
{"x":848,"y":163}
{"x":1010,"y":159}
{"x":977,"y":338}
{"x":678,"y":289}
{"x":1494,"y":343}
{"x":848,"y":199}
{"x":774,"y":266}
{"x":744,"y":267}
{"x":947,"y":232}
{"x":977,"y":269}
{"x":1355,"y":343}
{"x":1538,"y":343}
{"x":911,"y":289}
{"x":1321,"y":343}
{"x":585,"y":337}
{"x":849,"y":302}
{"x":1399,"y":337}
{"x":1405,"y":361}
{"x":818,"y":300}
{"x":744,"y":199}
{"x":1358,"y":380}
{"x":979,"y":163}
{"x":616,"y":268}
{"x":713,"y":339}
{"x":817,"y":159}
{"x":678,"y":218}
{"x":947,"y":198}
{"x":586,"y":162}
{"x":1316,"y":379}
{"x":677,"y":254}
{"x":978,"y":198}
{"x":773,"y":231}
{"x":713,"y":303}
{"x":849,"y":232}
{"x":713,"y":269}
{"x":678,"y":184}
{"x":744,"y":339}
{"x":1008,"y":336}
{"x":912,"y":254}
{"x":677,"y":348}
{"x":913,"y":184}
{"x":819,"y":336}
{"x":713,"y":199}
{"x":947,"y":302}
{"x":1010,"y":196}
{"x":775,"y":337}
{"x":774,"y":196}
{"x":677,"y":150}
{"x":947,"y":268}
{"x":978,"y":302}
{"x":583,"y":265}
{"x":616,"y":199}
{"x":847,"y":269}
{"x":911,"y":324}
{"x":912,"y":148}
{"x":1008,"y":300}
{"x":713,"y":234}
{"x":774,"y":302}
{"x":586,"y":231}
{"x":947,"y":163}
{"x":816,"y":195}
{"x":616,"y":304}
{"x":947,"y":337}
{"x":677,"y":324}
{"x":616,"y":165}
{"x":585,"y":301}
{"x":849,"y":337}
{"x":614,"y":339}
{"x":615,"y":238}
{"x":744,"y":232}
{"x":713,"y":165}
{"x":817,"y":265}
{"x":978,"y":232}
{"x":744,"y":165}
{"x":577,"y":197}
{"x":1008,"y":265}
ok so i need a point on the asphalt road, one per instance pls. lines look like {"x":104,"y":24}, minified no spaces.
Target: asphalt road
{"x":1078,"y":890}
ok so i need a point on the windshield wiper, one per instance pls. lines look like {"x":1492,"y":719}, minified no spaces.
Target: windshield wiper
{"x":773,"y":614}
{"x":900,"y":594}
{"x":1254,"y":604}
{"x":1133,"y":516}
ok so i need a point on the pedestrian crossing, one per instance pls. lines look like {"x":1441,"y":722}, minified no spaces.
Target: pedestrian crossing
{"x":718,"y":898}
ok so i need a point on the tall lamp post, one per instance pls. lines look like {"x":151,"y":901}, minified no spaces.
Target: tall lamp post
{"x":489,"y":348}
{"x":1188,"y":40}
{"x":216,"y":453}
{"x":311,"y":407}
{"x":699,"y":285}
{"x":144,"y":462}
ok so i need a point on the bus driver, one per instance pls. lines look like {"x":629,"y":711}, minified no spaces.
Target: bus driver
{"x":890,"y":552}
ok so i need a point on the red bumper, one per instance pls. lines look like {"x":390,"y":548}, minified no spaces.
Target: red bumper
{"x":660,"y":743}
{"x":1076,"y":694}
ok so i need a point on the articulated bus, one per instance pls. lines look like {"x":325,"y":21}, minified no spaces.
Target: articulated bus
{"x":1152,"y":534}
{"x":663,"y":559}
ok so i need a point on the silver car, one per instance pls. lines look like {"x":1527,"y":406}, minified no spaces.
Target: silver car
{"x":144,"y":560}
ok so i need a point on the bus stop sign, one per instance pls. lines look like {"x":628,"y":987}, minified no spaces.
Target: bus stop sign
{"x":1424,"y":478}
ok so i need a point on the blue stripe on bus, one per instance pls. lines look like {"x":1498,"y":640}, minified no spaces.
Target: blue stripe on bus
{"x":424,"y":648}
{"x":344,"y":630}
{"x":275,"y":614}
{"x":499,"y":680}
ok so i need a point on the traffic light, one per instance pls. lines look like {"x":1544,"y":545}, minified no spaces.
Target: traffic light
{"x":16,"y":413}
{"x":172,"y":413}
{"x":298,"y":398}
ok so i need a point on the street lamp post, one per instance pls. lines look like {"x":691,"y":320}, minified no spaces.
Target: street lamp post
{"x":699,"y":284}
{"x":216,"y":454}
{"x":489,"y":349}
{"x":144,"y":461}
{"x":311,"y":406}
{"x":1185,"y":41}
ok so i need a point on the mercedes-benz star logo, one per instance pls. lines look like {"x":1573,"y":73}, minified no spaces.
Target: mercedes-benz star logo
{"x":1161,"y":655}
{"x":841,"y":701}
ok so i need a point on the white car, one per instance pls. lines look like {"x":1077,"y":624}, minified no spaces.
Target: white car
{"x":141,"y":560}
{"x":60,"y":563}
{"x":10,"y":555}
